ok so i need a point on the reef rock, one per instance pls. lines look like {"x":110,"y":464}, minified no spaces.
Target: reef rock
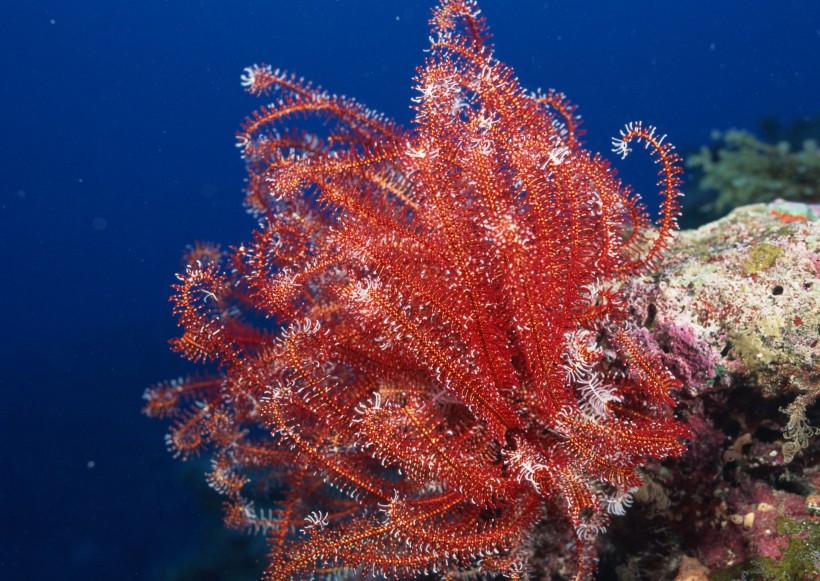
{"x":736,"y":311}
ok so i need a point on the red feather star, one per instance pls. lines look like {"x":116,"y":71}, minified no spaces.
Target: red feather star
{"x":423,"y":352}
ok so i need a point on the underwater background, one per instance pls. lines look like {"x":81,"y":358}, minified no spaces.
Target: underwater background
{"x":118,"y":122}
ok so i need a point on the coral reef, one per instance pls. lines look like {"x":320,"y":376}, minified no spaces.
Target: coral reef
{"x":736,"y":313}
{"x":742,"y":170}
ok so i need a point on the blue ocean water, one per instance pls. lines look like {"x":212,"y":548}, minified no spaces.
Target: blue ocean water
{"x":117,"y":120}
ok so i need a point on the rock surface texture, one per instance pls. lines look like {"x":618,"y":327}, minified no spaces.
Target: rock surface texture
{"x":736,"y":312}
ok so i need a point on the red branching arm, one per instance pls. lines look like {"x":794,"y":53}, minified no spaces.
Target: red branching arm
{"x":670,"y":188}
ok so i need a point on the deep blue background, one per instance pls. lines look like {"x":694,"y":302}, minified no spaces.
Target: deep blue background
{"x":117,"y":121}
